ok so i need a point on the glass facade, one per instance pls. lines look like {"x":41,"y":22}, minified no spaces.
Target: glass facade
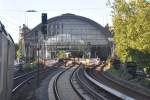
{"x":74,"y":33}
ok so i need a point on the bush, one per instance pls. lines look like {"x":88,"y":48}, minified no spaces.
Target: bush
{"x":114,"y":71}
{"x":116,"y":63}
{"x":146,"y":83}
{"x":61,"y":55}
{"x":30,"y":66}
{"x":120,"y":73}
{"x":131,"y":67}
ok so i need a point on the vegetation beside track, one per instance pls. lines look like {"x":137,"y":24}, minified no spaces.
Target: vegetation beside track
{"x":145,"y":82}
{"x":119,"y":73}
{"x":29,"y":66}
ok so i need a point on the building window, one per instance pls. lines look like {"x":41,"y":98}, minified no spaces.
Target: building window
{"x":53,"y":33}
{"x":57,"y":26}
{"x":49,"y":30}
{"x":57,"y":32}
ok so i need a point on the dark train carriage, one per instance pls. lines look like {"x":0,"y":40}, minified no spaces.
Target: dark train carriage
{"x":7,"y":56}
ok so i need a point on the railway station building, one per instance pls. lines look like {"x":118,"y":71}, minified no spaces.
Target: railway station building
{"x":75,"y":34}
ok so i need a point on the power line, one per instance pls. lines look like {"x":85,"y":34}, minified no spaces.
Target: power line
{"x":81,"y":9}
{"x":8,"y":21}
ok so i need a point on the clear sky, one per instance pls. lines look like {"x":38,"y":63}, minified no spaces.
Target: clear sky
{"x":13,"y":12}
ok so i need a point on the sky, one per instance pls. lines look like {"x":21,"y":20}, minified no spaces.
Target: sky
{"x":13,"y":12}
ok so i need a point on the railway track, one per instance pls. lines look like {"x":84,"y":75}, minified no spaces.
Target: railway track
{"x":93,"y":91}
{"x":74,"y":84}
{"x":62,"y":87}
{"x":73,"y":80}
{"x":71,"y":84}
{"x":21,"y":80}
{"x":120,"y":90}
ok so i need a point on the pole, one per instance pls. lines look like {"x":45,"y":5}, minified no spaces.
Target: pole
{"x":38,"y":70}
{"x":44,"y":55}
{"x":38,"y":65}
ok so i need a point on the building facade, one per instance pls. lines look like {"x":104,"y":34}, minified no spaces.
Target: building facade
{"x":70,"y":33}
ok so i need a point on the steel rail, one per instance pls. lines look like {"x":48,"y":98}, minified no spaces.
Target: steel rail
{"x":112,"y":91}
{"x":21,"y":76}
{"x":92,"y":91}
{"x":55,"y":88}
{"x":135,"y":92}
{"x":14,"y":90}
{"x":108,"y":78}
{"x":105,"y":76}
{"x":19,"y":79}
{"x":71,"y":82}
{"x":21,"y":84}
{"x":26,"y":74}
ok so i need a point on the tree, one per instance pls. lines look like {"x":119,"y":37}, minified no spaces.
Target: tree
{"x":61,"y":54}
{"x":131,"y":24}
{"x":16,"y":49}
{"x":21,"y":50}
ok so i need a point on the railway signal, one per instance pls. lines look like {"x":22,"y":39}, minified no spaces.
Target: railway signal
{"x":44,"y":24}
{"x":44,"y":31}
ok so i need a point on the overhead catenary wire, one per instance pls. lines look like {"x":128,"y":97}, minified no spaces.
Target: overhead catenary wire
{"x":39,"y":11}
{"x":9,"y":21}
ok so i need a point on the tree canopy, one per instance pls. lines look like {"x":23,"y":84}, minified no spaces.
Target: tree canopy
{"x":131,"y":24}
{"x":21,"y":49}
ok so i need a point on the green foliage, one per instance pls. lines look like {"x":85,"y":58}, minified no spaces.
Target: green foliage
{"x":116,"y":72}
{"x":142,"y":58}
{"x":30,"y":66}
{"x":120,"y":73}
{"x":61,"y":54}
{"x":16,"y":49}
{"x":21,"y":49}
{"x":145,"y":83}
{"x":16,"y":46}
{"x":131,"y":24}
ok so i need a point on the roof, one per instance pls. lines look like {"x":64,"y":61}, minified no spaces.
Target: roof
{"x":4,"y":32}
{"x":72,"y":16}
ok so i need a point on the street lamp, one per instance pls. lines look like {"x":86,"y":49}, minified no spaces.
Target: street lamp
{"x":26,"y":17}
{"x":31,"y":11}
{"x":37,"y":45}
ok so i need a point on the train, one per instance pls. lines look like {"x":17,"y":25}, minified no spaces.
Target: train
{"x":7,"y":57}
